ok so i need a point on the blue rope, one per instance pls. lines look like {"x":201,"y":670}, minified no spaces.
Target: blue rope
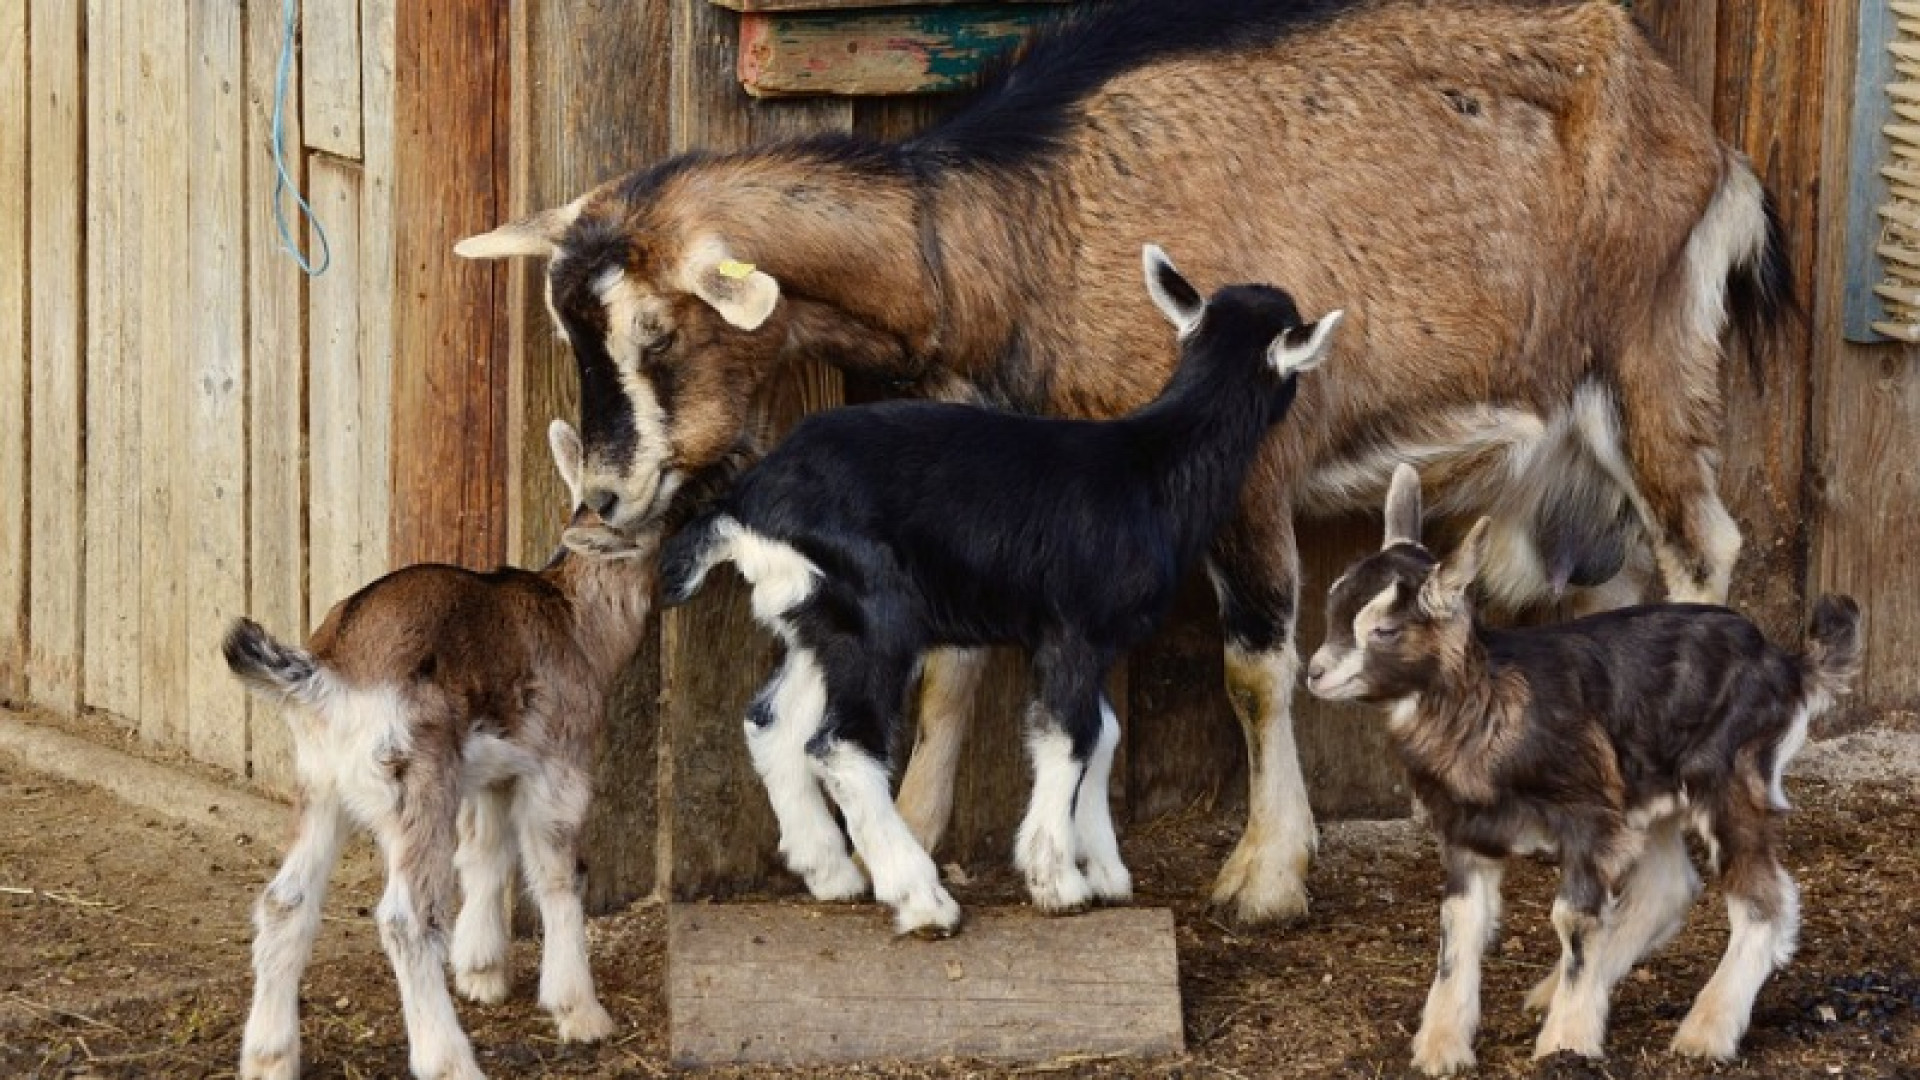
{"x":284,"y":182}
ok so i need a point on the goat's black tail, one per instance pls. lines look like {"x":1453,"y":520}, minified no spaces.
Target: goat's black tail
{"x":1761,"y":309}
{"x":269,"y":666}
{"x":687,"y":557}
{"x":1833,"y":644}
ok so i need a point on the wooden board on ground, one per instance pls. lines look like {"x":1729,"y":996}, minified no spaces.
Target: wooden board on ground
{"x":793,"y":985}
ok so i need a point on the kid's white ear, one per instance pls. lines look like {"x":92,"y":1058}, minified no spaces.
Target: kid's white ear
{"x":1176,"y":298}
{"x":1403,"y":508}
{"x":566,"y":456}
{"x":743,"y":295}
{"x":1446,"y":586}
{"x":1301,"y":348}
{"x":536,"y":234}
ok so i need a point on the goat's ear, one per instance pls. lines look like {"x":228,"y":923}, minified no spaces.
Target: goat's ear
{"x":1178,"y":300}
{"x":1446,"y":586}
{"x":743,"y":295}
{"x":566,"y":455}
{"x":1403,"y":508}
{"x":536,"y":234}
{"x":1301,"y":348}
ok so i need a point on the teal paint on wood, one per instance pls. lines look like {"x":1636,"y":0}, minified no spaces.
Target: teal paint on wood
{"x":1866,"y":186}
{"x":898,"y":51}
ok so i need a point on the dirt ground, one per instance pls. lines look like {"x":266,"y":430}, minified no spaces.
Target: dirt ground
{"x":124,"y":938}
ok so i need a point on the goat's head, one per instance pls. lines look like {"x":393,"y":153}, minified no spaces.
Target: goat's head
{"x":1397,"y":619}
{"x":586,"y":533}
{"x":1238,"y":323}
{"x":672,"y":330}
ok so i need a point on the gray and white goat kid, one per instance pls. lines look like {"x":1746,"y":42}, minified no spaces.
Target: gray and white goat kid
{"x":453,"y":714}
{"x":1601,"y":741}
{"x":875,"y":533}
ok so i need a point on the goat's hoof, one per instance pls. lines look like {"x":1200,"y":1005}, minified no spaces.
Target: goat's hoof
{"x":279,"y":1065}
{"x":1442,"y":1054}
{"x":488,"y":986}
{"x":1549,"y":1045}
{"x":1066,"y":891}
{"x":842,"y":881}
{"x":1262,"y":890}
{"x":930,"y":919}
{"x":585,"y":1023}
{"x":1110,"y":885}
{"x":1701,"y":1040}
{"x":1541,"y":996}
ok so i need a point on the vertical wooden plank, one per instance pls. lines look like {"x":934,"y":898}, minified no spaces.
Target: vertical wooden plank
{"x":578,"y":69}
{"x":331,"y":76}
{"x":1687,"y":32}
{"x":112,"y":513}
{"x":449,"y":394}
{"x":375,"y":267}
{"x":1772,"y":57}
{"x":156,"y":100}
{"x":711,"y":837}
{"x":13,"y":351}
{"x":276,"y":377}
{"x":1865,"y":508}
{"x":216,"y":558}
{"x":334,"y":419}
{"x":57,"y":233}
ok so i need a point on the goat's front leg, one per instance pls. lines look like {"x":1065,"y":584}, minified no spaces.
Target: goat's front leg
{"x":1468,"y":918}
{"x":1066,"y":727}
{"x":949,"y":684}
{"x":1256,"y":572}
{"x":1577,"y":1015}
{"x":785,"y":716}
{"x":485,"y":861}
{"x":548,"y":814}
{"x":286,"y":919}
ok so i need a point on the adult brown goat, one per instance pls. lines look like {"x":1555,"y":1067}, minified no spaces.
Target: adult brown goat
{"x":1539,"y":237}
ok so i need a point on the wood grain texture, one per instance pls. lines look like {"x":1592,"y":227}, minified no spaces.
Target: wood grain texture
{"x":375,"y":267}
{"x":57,"y":241}
{"x":449,"y":384}
{"x":919,"y":51}
{"x":793,"y":986}
{"x":1865,"y":501}
{"x":338,"y":529}
{"x":216,"y":718}
{"x":276,"y":375}
{"x":112,"y":468}
{"x":1687,"y":32}
{"x":853,"y":5}
{"x":330,"y":76}
{"x":578,"y":71}
{"x":13,"y":352}
{"x":716,"y":831}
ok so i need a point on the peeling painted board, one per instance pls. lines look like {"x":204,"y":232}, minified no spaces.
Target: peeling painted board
{"x":793,"y":985}
{"x":112,"y":509}
{"x":57,"y":185}
{"x":276,"y":377}
{"x":336,"y":409}
{"x":853,"y":5}
{"x":158,"y":86}
{"x":375,"y":271}
{"x":330,"y":75}
{"x":1866,"y":188}
{"x":887,"y":52}
{"x":13,"y":351}
{"x":216,"y":717}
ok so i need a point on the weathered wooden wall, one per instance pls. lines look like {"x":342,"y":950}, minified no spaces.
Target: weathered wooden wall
{"x":193,"y":429}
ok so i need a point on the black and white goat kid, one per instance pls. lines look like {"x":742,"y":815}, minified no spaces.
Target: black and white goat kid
{"x":874,"y":533}
{"x":1600,"y":740}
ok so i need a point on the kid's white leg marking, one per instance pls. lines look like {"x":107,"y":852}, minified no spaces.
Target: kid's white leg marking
{"x":949,"y":683}
{"x":1790,"y":745}
{"x":1093,"y":817}
{"x":1045,"y":849}
{"x":1444,"y":1043}
{"x":810,"y":840}
{"x":781,"y":577}
{"x":904,"y":877}
{"x":1654,"y":900}
{"x":1264,"y":880}
{"x":486,"y":861}
{"x":436,"y":1047}
{"x":286,"y":919}
{"x":1756,"y":947}
{"x":1577,"y":1016}
{"x":548,"y":817}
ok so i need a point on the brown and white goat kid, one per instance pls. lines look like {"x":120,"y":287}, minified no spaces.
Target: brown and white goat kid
{"x":454,"y":715}
{"x":1601,"y":741}
{"x":1542,"y":239}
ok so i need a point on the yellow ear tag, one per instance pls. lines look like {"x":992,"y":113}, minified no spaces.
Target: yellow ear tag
{"x":735,"y":269}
